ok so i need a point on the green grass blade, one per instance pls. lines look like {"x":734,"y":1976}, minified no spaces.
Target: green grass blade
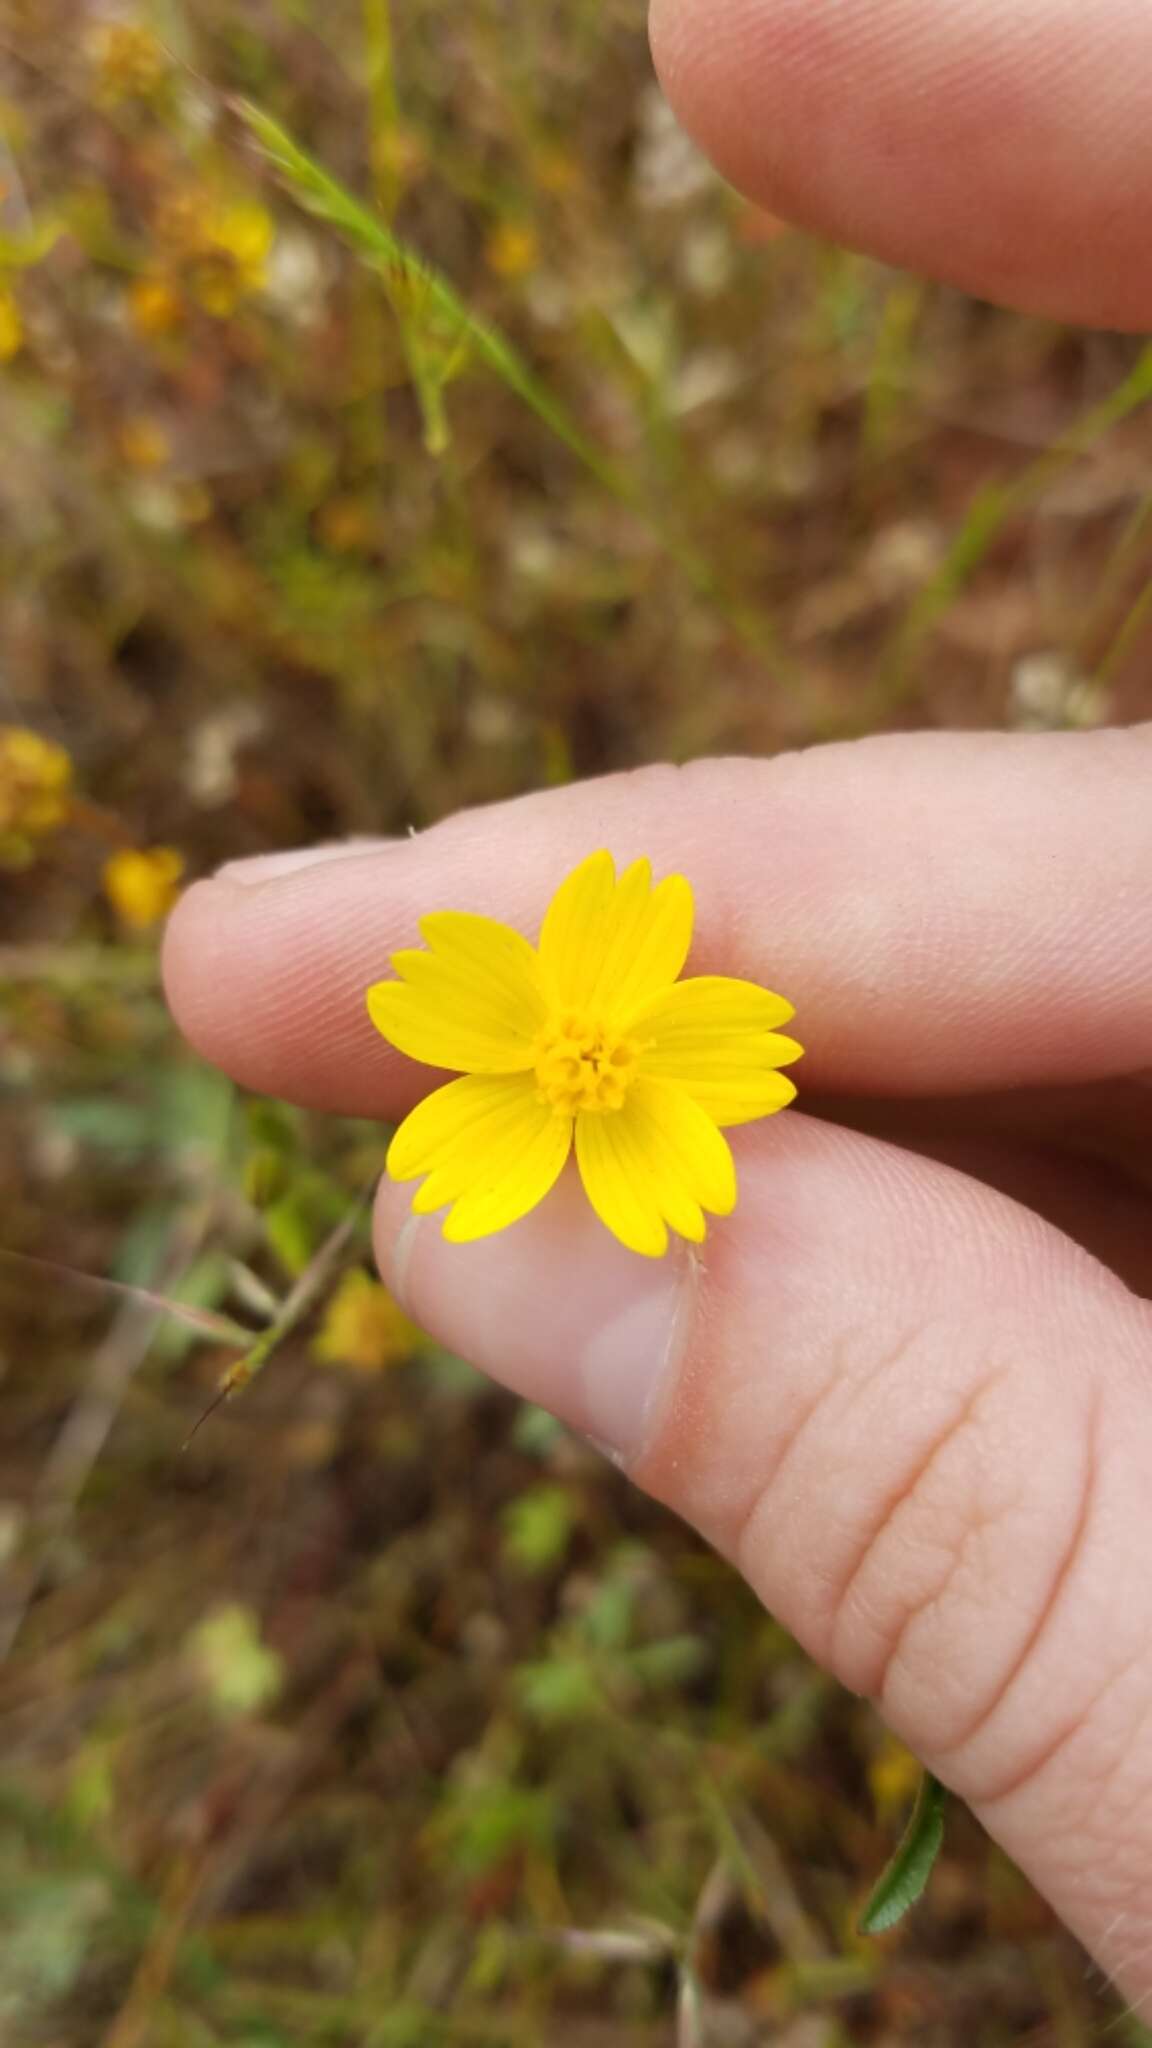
{"x":902,"y":1881}
{"x":385,"y":108}
{"x":983,"y":523}
{"x":416,"y":289}
{"x":204,"y":1320}
{"x":437,"y":324}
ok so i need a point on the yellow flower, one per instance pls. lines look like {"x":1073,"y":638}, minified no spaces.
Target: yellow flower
{"x":141,"y":884}
{"x":363,"y":1328}
{"x":155,"y":306}
{"x":143,"y":443}
{"x":229,"y":260}
{"x":586,"y":1042}
{"x":130,"y":63}
{"x":11,"y":326}
{"x":35,"y":783}
{"x":513,"y":249}
{"x":894,"y":1776}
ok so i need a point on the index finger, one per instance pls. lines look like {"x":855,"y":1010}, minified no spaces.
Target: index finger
{"x":1007,"y":149}
{"x":945,"y":912}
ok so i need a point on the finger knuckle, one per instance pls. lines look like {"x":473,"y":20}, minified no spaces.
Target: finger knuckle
{"x":919,"y":1547}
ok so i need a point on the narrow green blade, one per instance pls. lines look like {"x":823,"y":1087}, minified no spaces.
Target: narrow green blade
{"x":902,"y":1881}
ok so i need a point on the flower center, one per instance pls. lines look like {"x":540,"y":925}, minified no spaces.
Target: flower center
{"x":581,"y":1065}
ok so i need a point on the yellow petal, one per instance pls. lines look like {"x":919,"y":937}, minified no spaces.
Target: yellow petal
{"x":459,"y":1124}
{"x":472,"y":1001}
{"x":571,"y":937}
{"x":489,"y":1147}
{"x":659,"y":1161}
{"x":713,"y":1037}
{"x":618,"y":1184}
{"x":683,"y":1149}
{"x":741,"y":1096}
{"x":711,"y":1003}
{"x":611,"y":946}
{"x":503,"y":1195}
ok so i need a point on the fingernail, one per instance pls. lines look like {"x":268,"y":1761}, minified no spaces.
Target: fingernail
{"x":554,"y":1308}
{"x":268,"y":867}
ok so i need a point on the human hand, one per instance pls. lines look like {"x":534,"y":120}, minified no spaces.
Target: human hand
{"x":908,"y":1405}
{"x":914,"y":1414}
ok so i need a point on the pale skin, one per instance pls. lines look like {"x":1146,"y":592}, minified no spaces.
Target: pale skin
{"x":907,"y":1388}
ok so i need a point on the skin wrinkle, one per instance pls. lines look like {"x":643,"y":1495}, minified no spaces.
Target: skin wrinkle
{"x":748,"y":1534}
{"x":947,"y":1762}
{"x":1024,"y":1780}
{"x":688,"y":1417}
{"x":901,"y":1497}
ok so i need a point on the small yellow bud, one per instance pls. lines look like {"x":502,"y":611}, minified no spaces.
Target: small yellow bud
{"x":513,"y":250}
{"x":142,"y":443}
{"x":142,"y":884}
{"x":155,"y":307}
{"x":11,"y":327}
{"x":894,"y":1776}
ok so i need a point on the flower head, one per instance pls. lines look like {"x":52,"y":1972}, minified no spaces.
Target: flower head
{"x":35,"y":791}
{"x":211,"y":248}
{"x":228,"y":259}
{"x":142,"y":883}
{"x":130,"y":62}
{"x":363,"y":1328}
{"x":585,"y":1042}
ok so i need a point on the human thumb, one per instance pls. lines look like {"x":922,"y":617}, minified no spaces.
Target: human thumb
{"x":916,"y":1418}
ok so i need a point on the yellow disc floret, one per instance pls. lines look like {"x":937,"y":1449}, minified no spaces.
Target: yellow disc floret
{"x":582,"y":1065}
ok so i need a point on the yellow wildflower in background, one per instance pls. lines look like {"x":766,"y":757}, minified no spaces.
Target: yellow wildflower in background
{"x":555,"y":169}
{"x":893,"y":1776}
{"x":156,"y":306}
{"x":11,"y":326}
{"x":35,"y":791}
{"x":129,"y":62}
{"x":142,"y":883}
{"x":587,"y":1042}
{"x":230,"y":259}
{"x":363,"y":1328}
{"x":513,"y":249}
{"x":143,"y":443}
{"x":209,"y":247}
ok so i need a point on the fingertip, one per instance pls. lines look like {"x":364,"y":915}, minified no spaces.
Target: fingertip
{"x":269,"y":979}
{"x":1004,"y":150}
{"x":190,"y":962}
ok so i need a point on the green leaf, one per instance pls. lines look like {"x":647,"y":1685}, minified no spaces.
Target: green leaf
{"x":20,"y":252}
{"x":538,"y":1527}
{"x":235,"y":1666}
{"x":902,"y":1881}
{"x":106,"y":1125}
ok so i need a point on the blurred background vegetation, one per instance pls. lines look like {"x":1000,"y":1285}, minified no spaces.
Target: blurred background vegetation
{"x":397,"y":413}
